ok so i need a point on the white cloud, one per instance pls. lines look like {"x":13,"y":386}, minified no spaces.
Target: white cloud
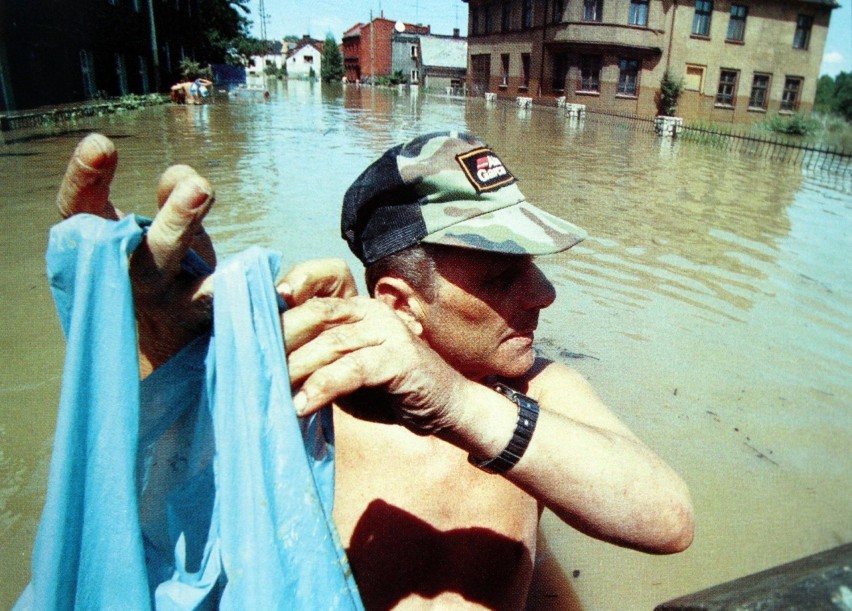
{"x":833,"y":57}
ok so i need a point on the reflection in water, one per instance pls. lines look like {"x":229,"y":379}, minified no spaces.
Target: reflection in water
{"x":711,"y":294}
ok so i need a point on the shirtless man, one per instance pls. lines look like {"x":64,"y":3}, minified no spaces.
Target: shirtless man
{"x":451,"y":316}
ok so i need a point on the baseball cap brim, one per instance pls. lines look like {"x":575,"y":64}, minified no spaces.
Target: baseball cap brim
{"x":518,"y":229}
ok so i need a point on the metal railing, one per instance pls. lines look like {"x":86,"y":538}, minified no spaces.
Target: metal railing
{"x":774,"y":147}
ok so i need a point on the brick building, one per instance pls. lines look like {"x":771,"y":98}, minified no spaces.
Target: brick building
{"x":739,"y":60}
{"x":368,"y":48}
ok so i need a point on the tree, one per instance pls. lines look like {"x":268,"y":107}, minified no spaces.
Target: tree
{"x":843,"y":95}
{"x":834,"y":95}
{"x":226,"y":28}
{"x":332,"y":60}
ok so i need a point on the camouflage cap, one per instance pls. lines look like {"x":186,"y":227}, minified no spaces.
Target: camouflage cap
{"x":446,"y":188}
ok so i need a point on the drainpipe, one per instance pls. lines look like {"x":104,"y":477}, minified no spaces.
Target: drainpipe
{"x":671,"y":35}
{"x":154,"y":53}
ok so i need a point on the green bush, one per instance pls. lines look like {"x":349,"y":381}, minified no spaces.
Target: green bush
{"x":191,"y":70}
{"x":794,"y":125}
{"x":670,"y":90}
{"x":392,"y":80}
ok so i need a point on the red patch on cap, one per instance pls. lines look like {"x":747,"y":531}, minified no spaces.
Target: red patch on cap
{"x":484,"y":170}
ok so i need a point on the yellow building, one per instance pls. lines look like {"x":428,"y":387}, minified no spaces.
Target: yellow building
{"x":738,"y":60}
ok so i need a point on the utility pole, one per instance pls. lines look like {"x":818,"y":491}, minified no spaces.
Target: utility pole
{"x":261,"y":13}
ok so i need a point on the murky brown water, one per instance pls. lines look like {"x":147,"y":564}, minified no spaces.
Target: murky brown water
{"x":711,"y":302}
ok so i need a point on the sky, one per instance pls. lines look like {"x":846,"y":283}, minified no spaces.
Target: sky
{"x":318,"y":18}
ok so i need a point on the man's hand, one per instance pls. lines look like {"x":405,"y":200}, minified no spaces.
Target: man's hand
{"x":359,"y":353}
{"x":173,"y":307}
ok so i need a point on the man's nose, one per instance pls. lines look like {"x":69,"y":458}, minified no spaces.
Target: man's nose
{"x":538,"y":292}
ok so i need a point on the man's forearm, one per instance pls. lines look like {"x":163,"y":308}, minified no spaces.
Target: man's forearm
{"x":601,"y":482}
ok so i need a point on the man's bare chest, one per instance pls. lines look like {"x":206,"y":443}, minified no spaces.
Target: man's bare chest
{"x":417,"y":520}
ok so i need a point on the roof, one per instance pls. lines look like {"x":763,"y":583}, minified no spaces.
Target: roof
{"x":355,"y":30}
{"x":443,"y":51}
{"x":828,"y":3}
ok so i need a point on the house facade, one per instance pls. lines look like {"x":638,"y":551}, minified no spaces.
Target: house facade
{"x":56,"y":52}
{"x":259,"y":65}
{"x":304,"y":60}
{"x":444,"y":62}
{"x":738,"y":59}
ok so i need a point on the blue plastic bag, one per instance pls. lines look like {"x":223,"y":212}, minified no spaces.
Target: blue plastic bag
{"x":198,"y":488}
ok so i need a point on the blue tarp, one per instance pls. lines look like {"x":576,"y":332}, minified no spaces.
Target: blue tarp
{"x":198,"y":488}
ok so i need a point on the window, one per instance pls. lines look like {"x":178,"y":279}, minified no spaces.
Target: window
{"x":481,"y":67}
{"x":802,"y":37}
{"x":415,"y":76}
{"x":759,"y":91}
{"x":560,"y":71}
{"x":526,"y":15}
{"x":726,"y":94}
{"x":558,"y":10}
{"x":413,"y":51}
{"x":701,"y":20}
{"x":694,"y":78}
{"x":504,"y":62}
{"x":592,"y":10}
{"x":525,"y":70}
{"x":506,"y":17}
{"x":639,"y":12}
{"x":590,"y":73}
{"x":736,"y":25}
{"x":628,"y":76}
{"x":309,"y":59}
{"x":488,"y":20}
{"x":790,"y":96}
{"x":474,"y":20}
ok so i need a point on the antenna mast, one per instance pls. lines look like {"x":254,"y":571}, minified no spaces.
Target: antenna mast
{"x":261,"y":13}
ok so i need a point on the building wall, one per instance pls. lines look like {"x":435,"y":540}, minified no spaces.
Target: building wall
{"x":351,"y":50}
{"x":57,"y":52}
{"x":375,"y":49}
{"x":665,"y":41}
{"x":300,"y":63}
{"x":405,"y":56}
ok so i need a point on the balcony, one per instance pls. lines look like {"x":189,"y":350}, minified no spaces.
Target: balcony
{"x":611,"y":35}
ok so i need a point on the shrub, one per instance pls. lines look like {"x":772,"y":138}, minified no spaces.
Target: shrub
{"x":794,"y":125}
{"x":670,"y":90}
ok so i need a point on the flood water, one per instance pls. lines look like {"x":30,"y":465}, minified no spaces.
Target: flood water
{"x":710,"y":306}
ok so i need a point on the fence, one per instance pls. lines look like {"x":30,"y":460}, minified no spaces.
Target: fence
{"x":776,"y":148}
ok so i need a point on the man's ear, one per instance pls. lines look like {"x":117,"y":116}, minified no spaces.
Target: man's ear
{"x":403,"y":299}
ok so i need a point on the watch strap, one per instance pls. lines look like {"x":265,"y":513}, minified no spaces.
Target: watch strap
{"x":527,"y":418}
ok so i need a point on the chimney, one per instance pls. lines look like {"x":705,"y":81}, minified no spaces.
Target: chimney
{"x":456,"y":33}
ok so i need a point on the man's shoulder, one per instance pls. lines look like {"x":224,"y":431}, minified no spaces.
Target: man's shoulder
{"x":546,"y":374}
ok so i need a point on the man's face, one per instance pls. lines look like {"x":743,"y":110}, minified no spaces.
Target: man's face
{"x":486,"y":310}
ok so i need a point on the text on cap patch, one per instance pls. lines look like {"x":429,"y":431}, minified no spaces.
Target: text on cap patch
{"x":484,"y":170}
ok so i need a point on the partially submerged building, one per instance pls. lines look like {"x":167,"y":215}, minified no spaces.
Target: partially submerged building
{"x":368,"y":48}
{"x":738,"y":60}
{"x":55,"y":52}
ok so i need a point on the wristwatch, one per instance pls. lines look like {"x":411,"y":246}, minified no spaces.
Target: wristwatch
{"x":527,"y":418}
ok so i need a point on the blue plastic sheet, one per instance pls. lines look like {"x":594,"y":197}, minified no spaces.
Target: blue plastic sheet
{"x":198,"y":488}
